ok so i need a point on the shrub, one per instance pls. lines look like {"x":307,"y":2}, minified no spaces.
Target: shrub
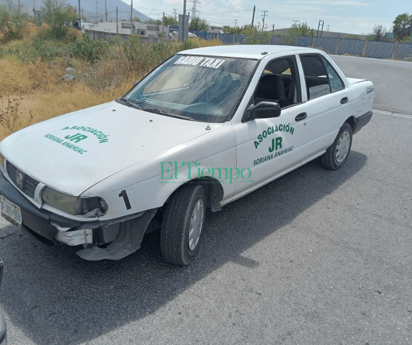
{"x":290,"y":39}
{"x":256,"y":36}
{"x":57,"y":16}
{"x":12,"y":24}
{"x":89,"y":49}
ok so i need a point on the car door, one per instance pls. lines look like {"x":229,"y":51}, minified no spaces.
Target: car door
{"x":266,"y":147}
{"x":328,"y":100}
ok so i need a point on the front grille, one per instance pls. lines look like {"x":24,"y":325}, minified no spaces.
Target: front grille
{"x":29,"y":184}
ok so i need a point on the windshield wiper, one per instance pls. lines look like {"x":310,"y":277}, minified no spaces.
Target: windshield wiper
{"x":161,"y":112}
{"x":131,"y":104}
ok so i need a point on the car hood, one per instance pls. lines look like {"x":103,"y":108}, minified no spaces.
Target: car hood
{"x":73,"y":152}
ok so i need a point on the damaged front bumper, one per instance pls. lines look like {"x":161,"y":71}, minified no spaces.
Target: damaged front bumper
{"x":112,"y":239}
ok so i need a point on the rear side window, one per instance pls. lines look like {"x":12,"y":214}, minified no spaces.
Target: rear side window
{"x":317,"y":81}
{"x":336,"y":83}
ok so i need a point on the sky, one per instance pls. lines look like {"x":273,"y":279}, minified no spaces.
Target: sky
{"x":350,"y":16}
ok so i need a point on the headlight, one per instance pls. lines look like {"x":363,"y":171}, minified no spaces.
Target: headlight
{"x":90,"y":207}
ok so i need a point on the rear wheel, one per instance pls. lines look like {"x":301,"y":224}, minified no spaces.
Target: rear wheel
{"x":337,"y":154}
{"x":182,"y":225}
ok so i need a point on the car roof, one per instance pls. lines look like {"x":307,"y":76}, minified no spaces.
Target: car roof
{"x":255,"y":51}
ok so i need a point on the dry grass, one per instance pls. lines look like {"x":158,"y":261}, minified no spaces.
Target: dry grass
{"x":20,"y":110}
{"x":24,"y":79}
{"x":30,"y":93}
{"x":35,"y":92}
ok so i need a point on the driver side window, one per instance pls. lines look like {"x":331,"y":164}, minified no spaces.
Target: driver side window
{"x":279,"y":83}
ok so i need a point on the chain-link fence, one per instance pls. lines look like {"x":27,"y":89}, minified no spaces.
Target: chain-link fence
{"x":327,"y":43}
{"x":356,"y":47}
{"x":404,"y":50}
{"x":380,"y":50}
{"x":351,"y":47}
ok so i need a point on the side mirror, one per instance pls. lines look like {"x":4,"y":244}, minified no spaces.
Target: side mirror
{"x":135,"y":83}
{"x":263,"y":110}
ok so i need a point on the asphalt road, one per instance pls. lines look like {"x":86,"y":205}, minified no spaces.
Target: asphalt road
{"x":316,"y":257}
{"x":392,"y":80}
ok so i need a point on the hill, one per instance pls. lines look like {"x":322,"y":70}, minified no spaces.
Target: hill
{"x":88,"y":8}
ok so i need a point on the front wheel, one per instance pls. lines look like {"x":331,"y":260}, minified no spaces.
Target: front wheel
{"x":337,"y":154}
{"x":182,"y":225}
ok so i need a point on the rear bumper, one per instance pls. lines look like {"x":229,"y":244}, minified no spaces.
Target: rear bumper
{"x":361,"y":121}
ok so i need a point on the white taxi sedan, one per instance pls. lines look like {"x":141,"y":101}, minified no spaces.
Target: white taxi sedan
{"x":203,"y":129}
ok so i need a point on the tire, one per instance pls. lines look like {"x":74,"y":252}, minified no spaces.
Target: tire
{"x":337,"y":154}
{"x":179,"y":242}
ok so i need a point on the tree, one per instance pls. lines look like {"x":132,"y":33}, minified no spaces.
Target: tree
{"x":58,"y":17}
{"x":169,"y":20}
{"x":12,"y":24}
{"x":302,"y":29}
{"x":153,"y":21}
{"x":378,"y":34}
{"x":197,"y":24}
{"x":402,"y":27}
{"x":233,"y":30}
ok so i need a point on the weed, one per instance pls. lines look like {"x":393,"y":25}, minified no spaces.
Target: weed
{"x":11,"y":118}
{"x":89,"y":49}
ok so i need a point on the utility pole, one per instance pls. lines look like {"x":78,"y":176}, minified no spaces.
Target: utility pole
{"x":131,"y":18}
{"x":295,"y":21}
{"x":97,"y":13}
{"x":117,"y":20}
{"x":175,"y":13}
{"x":263,"y":16}
{"x":328,"y":26}
{"x":320,"y":21}
{"x":253,"y":17}
{"x":105,"y":8}
{"x":80,"y":18}
{"x":182,"y":29}
{"x":19,"y":6}
{"x":235,"y":23}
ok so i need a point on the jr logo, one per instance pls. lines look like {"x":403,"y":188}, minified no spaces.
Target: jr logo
{"x":276,"y":143}
{"x":76,"y":138}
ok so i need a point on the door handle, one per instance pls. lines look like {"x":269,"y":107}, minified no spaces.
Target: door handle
{"x":301,"y":117}
{"x":344,"y":100}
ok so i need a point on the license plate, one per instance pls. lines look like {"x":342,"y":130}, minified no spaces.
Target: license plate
{"x":10,"y":212}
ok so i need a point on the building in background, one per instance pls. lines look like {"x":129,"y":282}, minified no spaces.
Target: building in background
{"x":124,"y":27}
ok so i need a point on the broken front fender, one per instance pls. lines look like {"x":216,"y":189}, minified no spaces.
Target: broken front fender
{"x":128,"y":241}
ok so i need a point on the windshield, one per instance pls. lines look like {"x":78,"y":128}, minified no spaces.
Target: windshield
{"x":197,"y":88}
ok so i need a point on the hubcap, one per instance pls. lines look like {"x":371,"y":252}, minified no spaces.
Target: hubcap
{"x":342,"y":147}
{"x":196,"y":224}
